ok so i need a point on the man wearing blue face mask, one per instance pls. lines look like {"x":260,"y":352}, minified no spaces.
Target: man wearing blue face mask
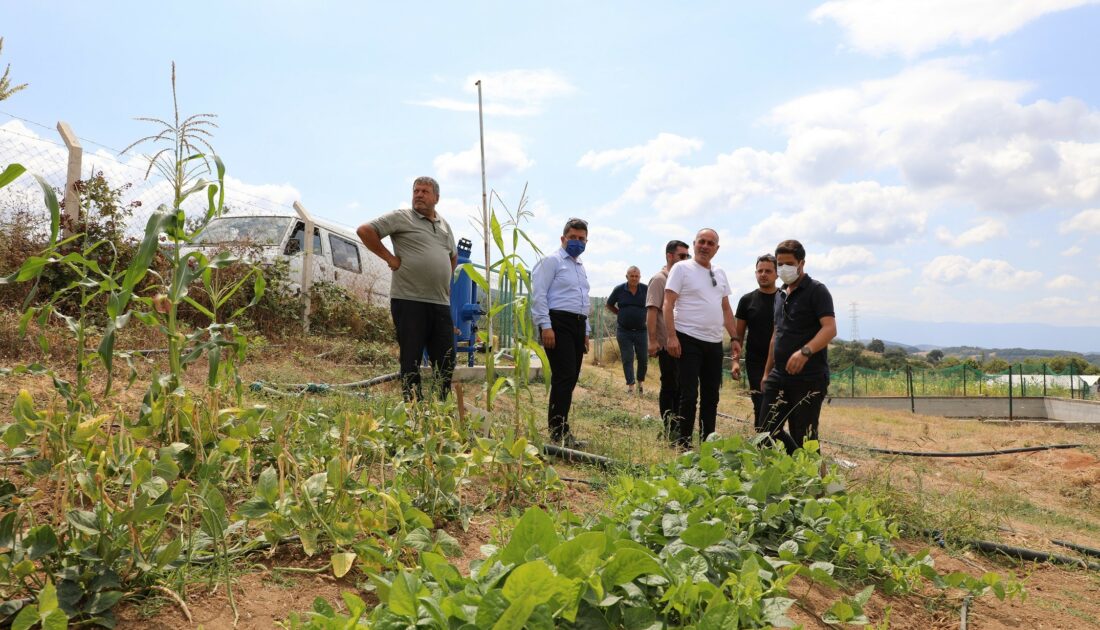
{"x":796,"y":375}
{"x":559,"y":308}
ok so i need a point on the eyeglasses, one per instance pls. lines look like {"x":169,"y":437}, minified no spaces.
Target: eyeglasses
{"x":713,"y":280}
{"x":683,"y":256}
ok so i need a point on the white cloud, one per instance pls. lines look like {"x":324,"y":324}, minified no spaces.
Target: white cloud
{"x":504,"y":154}
{"x":987,"y":230}
{"x":666,"y":146}
{"x":507,"y":93}
{"x":1072,"y":251}
{"x":1086,"y":221}
{"x":987,"y":272}
{"x":913,"y":27}
{"x":1064,"y":281}
{"x":845,"y":257}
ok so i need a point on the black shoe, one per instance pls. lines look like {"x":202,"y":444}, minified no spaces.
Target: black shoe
{"x":571,"y":442}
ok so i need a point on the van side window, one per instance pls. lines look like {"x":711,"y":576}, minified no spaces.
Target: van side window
{"x":345,"y":254}
{"x":297,"y":242}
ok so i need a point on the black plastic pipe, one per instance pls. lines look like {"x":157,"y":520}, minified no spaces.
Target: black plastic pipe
{"x":1031,"y":554}
{"x":1088,"y":551}
{"x":1006,"y":451}
{"x":572,"y":455}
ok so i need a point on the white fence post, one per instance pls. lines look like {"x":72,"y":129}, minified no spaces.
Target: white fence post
{"x":72,"y":176}
{"x":307,"y":263}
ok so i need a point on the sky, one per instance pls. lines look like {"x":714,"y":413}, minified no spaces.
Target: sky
{"x":939,"y":159}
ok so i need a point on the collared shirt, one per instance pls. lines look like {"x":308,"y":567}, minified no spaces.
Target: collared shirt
{"x":655,"y":298}
{"x":798,"y":316}
{"x":559,"y":283}
{"x":631,"y":315}
{"x":425,"y":247}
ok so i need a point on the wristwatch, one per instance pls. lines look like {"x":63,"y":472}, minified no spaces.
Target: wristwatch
{"x":806,"y":352}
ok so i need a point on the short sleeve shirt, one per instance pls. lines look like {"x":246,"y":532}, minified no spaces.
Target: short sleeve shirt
{"x":425,"y":247}
{"x":655,"y":298}
{"x":698,"y":310}
{"x":756,"y":309}
{"x":631,"y":306}
{"x":797,"y":319}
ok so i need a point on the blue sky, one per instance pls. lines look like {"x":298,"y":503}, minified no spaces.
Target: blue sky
{"x":939,"y":159}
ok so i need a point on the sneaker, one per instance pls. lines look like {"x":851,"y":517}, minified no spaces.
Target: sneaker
{"x":630,"y":389}
{"x":639,"y":388}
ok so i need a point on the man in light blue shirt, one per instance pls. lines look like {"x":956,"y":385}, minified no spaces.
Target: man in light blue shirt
{"x":559,"y":307}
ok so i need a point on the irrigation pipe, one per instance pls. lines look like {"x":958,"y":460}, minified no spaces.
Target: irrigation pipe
{"x":1088,"y":551}
{"x":1006,"y":451}
{"x":572,"y":455}
{"x":964,"y":612}
{"x":1021,"y":553}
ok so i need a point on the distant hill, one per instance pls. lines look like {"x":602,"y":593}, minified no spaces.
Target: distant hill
{"x":1083,"y":339}
{"x":1013,"y":355}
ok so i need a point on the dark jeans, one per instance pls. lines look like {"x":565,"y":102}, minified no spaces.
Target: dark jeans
{"x":424,"y":326}
{"x":633,"y":343}
{"x":754,"y":371}
{"x":565,"y":367}
{"x":700,"y":379}
{"x":793,"y":402}
{"x":669,"y":399}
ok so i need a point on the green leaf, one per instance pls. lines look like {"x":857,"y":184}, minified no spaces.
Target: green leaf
{"x":49,"y":197}
{"x":47,"y":599}
{"x":11,"y":173}
{"x":533,"y":580}
{"x":40,"y":541}
{"x":268,"y":485}
{"x":255,"y":508}
{"x":703,"y":535}
{"x":628,"y":564}
{"x":579,"y":556}
{"x":104,"y":600}
{"x":342,"y":563}
{"x":315,"y":486}
{"x":534,"y":529}
{"x":516,"y":615}
{"x":55,"y":620}
{"x":26,"y":618}
{"x":84,"y":521}
{"x":403,"y":595}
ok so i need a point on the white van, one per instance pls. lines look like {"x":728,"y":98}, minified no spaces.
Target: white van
{"x":339,"y":256}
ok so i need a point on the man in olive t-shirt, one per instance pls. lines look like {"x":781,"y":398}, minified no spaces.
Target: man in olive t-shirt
{"x":423,"y":260}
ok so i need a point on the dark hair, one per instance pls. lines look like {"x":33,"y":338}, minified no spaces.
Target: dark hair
{"x":767,"y":258}
{"x":792,"y":247}
{"x":674,"y":245}
{"x":429,"y":181}
{"x":575,"y":224}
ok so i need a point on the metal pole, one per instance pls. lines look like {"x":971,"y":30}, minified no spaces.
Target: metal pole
{"x":1010,"y":393}
{"x":485,"y":224}
{"x":853,"y":380}
{"x":912,"y":398}
{"x":1071,"y":393}
{"x":72,"y":176}
{"x":307,"y":263}
{"x":1023,"y":382}
{"x":964,"y":380}
{"x":1044,"y":380}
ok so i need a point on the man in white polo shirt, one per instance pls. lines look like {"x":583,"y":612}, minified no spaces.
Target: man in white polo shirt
{"x":697,"y":307}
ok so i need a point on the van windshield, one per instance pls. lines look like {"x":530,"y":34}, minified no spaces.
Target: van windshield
{"x":251,"y":230}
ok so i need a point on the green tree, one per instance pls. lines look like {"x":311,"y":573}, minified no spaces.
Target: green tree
{"x":6,"y":88}
{"x":935,"y":356}
{"x":877,"y":345}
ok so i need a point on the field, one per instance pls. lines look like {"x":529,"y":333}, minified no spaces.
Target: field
{"x":289,"y":534}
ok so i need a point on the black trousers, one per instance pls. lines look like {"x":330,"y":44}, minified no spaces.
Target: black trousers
{"x":795,"y":403}
{"x":700,"y":378}
{"x":668,"y":401}
{"x":424,"y":326}
{"x":754,"y":371}
{"x":565,"y":367}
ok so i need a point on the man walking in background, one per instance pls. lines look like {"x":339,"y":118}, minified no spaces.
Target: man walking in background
{"x":696,"y":308}
{"x":559,"y":308}
{"x":628,"y":302}
{"x":797,"y":371}
{"x":753,"y":323}
{"x":668,"y":401}
{"x":423,"y":259}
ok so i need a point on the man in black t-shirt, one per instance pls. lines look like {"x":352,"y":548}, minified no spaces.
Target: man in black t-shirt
{"x":628,"y":301}
{"x":754,"y":331}
{"x":797,"y":372}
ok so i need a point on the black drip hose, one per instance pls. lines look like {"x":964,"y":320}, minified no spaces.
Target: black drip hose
{"x":572,"y":455}
{"x":1030,"y":554}
{"x":1006,"y":451}
{"x":1088,"y":551}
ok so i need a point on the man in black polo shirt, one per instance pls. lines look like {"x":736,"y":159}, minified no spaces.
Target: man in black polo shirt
{"x":754,"y":331}
{"x":797,"y":371}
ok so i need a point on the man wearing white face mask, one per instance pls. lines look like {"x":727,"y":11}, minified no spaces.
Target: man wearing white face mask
{"x":796,"y":376}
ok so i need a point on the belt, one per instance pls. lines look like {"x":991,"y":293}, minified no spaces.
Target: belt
{"x":569,"y":315}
